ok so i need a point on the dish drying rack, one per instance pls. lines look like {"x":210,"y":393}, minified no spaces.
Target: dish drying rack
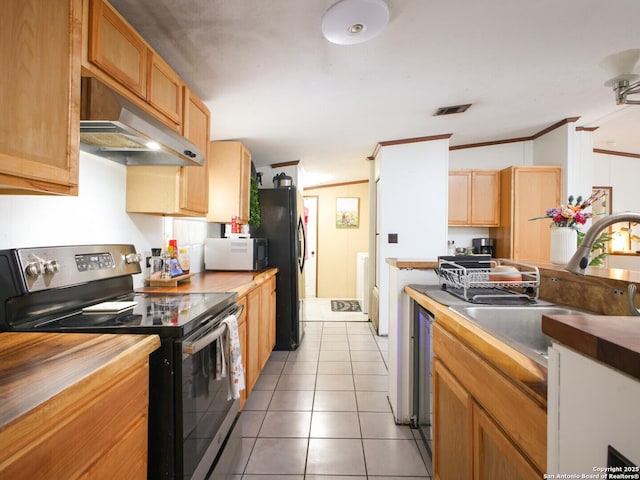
{"x":474,"y":285}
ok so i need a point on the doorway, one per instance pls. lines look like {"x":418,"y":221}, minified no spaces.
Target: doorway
{"x":311,"y":217}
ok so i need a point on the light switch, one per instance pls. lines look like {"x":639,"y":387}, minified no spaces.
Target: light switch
{"x":393,"y":238}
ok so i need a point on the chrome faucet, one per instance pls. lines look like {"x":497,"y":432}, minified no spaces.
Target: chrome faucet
{"x":580,"y":260}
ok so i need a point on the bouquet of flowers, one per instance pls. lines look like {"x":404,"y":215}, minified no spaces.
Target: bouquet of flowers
{"x":573,"y":213}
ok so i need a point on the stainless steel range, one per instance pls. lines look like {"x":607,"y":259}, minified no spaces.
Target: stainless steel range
{"x":89,"y":289}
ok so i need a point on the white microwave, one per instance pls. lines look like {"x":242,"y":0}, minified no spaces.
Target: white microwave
{"x":243,"y":254}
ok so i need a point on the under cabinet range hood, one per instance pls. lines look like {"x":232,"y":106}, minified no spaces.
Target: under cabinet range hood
{"x":114,"y":128}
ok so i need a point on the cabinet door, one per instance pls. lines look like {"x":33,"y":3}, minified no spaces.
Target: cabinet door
{"x":165,"y":89}
{"x":452,"y":426}
{"x":40,"y":56}
{"x":267,"y":320}
{"x":272,"y":315}
{"x":485,"y":198}
{"x":494,"y":456}
{"x":229,"y":182}
{"x":195,"y":180}
{"x":535,"y":191}
{"x":245,"y":185}
{"x":116,"y":48}
{"x":253,"y":338}
{"x":242,"y":334}
{"x":459,"y":197}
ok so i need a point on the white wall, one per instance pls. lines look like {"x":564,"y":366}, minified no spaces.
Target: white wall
{"x":296,"y":172}
{"x":558,"y":148}
{"x":621,"y":173}
{"x":96,"y":215}
{"x":412,"y":204}
{"x":492,"y":157}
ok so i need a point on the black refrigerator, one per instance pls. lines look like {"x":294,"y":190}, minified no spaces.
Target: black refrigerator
{"x":282,"y":224}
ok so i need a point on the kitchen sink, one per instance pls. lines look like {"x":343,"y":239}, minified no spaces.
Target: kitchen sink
{"x":518,"y":326}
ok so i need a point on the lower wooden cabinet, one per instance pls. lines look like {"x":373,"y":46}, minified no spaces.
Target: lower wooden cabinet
{"x":242,"y":335}
{"x":452,"y":454}
{"x":481,"y":425}
{"x":257,"y":330}
{"x":252,"y":362}
{"x":267,"y":320}
{"x":96,"y":428}
{"x":495,"y":457}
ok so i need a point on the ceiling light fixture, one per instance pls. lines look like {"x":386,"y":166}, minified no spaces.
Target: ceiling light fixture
{"x":354,"y":21}
{"x":624,"y":71}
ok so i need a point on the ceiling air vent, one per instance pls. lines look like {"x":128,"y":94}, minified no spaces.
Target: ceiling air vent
{"x":452,"y":109}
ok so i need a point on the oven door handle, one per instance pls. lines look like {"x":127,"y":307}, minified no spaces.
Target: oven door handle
{"x":191,"y":348}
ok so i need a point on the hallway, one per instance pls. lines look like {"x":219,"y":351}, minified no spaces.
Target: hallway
{"x":322,"y":412}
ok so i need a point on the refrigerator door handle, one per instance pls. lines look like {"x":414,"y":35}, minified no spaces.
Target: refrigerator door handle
{"x":303,"y":250}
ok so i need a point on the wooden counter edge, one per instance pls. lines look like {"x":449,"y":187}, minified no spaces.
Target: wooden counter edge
{"x":408,"y":263}
{"x":524,"y":372}
{"x":202,"y":283}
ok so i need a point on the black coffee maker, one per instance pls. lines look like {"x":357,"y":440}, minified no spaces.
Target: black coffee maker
{"x":483,"y":246}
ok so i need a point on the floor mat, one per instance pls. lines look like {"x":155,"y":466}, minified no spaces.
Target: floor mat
{"x":345,"y":306}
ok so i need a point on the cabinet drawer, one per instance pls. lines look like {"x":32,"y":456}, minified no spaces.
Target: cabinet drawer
{"x":127,"y":459}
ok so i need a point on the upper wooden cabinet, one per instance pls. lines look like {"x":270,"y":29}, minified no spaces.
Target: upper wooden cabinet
{"x":158,"y":190}
{"x":165,"y":88}
{"x":474,"y":198}
{"x":40,"y":55}
{"x":120,"y":57}
{"x":229,"y":182}
{"x":195,"y":181}
{"x":527,"y":193}
{"x":116,"y":47}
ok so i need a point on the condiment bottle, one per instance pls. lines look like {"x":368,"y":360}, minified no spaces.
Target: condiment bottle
{"x":166,"y":266}
{"x":183,"y":260}
{"x":156,"y":263}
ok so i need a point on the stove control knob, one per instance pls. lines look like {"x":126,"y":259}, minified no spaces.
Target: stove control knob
{"x":33,"y":269}
{"x":51,"y":266}
{"x":133,"y":258}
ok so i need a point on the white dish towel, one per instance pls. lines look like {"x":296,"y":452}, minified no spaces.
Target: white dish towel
{"x":233,"y":354}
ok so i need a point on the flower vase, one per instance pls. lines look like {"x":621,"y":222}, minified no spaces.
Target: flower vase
{"x":564,"y":243}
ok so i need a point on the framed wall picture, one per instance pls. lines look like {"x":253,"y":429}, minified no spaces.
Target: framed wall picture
{"x":347,"y":212}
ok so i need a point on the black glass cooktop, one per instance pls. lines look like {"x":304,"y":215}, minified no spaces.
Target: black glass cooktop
{"x":168,"y":315}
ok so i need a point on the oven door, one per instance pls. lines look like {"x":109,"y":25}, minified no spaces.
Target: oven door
{"x":203,"y":413}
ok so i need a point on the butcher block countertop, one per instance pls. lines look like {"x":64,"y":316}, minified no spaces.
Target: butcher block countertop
{"x":214,"y":281}
{"x":40,"y":372}
{"x":415,"y":263}
{"x":612,"y":340}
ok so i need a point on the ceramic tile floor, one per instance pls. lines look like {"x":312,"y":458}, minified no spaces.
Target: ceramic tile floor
{"x":322,"y":412}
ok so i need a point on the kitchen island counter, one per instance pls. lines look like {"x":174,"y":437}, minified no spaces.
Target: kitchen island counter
{"x":479,"y":373}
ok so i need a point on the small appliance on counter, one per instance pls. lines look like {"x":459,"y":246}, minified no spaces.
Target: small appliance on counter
{"x":242,"y":254}
{"x":483,"y":246}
